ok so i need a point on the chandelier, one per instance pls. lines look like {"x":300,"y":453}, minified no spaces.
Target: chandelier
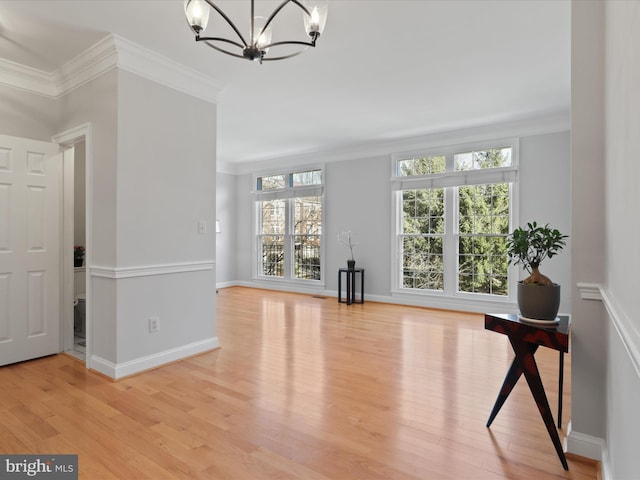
{"x":258,"y":44}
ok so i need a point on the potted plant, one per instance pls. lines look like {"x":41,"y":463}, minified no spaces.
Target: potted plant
{"x":538,"y":296}
{"x":78,"y":255}
{"x":345,"y":240}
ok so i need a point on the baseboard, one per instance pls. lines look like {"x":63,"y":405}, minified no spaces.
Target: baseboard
{"x":445,"y":303}
{"x":584,"y":445}
{"x":117,"y":371}
{"x":605,"y":466}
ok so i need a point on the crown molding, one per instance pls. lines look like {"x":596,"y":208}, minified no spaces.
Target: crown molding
{"x":110,"y":52}
{"x":93,"y":62}
{"x":160,"y":69}
{"x":553,"y":122}
{"x":25,"y":78}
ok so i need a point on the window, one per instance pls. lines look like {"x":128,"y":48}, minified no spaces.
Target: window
{"x":423,"y":239}
{"x":483,"y":226}
{"x":289,"y":211}
{"x":453,"y":213}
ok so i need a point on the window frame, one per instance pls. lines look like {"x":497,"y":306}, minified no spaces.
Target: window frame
{"x":450,"y":180}
{"x":289,"y":193}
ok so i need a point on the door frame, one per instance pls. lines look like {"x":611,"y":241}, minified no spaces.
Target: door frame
{"x":66,"y":140}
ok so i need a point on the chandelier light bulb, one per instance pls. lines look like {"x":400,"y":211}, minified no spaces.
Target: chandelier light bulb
{"x":315,"y":21}
{"x":261,"y":39}
{"x":197,"y":12}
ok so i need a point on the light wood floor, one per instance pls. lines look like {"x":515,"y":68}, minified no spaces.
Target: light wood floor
{"x":302,"y":388}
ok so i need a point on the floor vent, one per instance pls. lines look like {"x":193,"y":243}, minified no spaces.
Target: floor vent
{"x":319,"y":296}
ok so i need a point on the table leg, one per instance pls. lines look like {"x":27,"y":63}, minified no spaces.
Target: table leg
{"x":350,"y":287}
{"x":524,"y":355}
{"x":510,"y":380}
{"x":353,"y":286}
{"x":339,"y":286}
{"x":560,"y":382}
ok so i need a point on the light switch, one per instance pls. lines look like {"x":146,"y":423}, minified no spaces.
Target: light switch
{"x":202,"y":227}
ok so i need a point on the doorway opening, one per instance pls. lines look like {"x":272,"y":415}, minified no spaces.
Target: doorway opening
{"x":76,"y":272}
{"x":78,"y":349}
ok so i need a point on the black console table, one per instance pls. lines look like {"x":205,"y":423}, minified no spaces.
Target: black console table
{"x":350,"y":274}
{"x":525,"y":339}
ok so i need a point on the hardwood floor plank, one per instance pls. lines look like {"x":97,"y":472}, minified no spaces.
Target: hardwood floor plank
{"x":303,"y":388}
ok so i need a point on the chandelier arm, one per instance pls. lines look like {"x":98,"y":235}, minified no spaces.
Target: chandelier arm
{"x":280,"y":7}
{"x":284,"y":57}
{"x":251,"y":51}
{"x":228,"y":20}
{"x":290,"y":42}
{"x":274,"y":13}
{"x":219,"y":39}
{"x":297,"y":2}
{"x":215,"y":47}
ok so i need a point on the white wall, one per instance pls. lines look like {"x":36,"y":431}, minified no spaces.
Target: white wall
{"x":358,"y":198}
{"x":605,"y":177}
{"x":153,"y":178}
{"x":95,"y":102}
{"x":545,"y":195}
{"x":243,"y":252}
{"x":588,"y":346}
{"x":165,"y":185}
{"x":226,"y":213}
{"x":24,"y":114}
{"x":622,"y":100}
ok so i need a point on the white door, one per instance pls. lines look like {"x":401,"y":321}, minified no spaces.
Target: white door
{"x":30,"y":201}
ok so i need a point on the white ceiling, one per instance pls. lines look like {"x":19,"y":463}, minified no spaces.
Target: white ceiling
{"x":382,"y":70}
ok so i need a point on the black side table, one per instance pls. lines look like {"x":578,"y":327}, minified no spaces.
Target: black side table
{"x":350,"y":274}
{"x":525,"y":338}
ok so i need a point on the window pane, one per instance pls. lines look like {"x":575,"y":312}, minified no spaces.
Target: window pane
{"x":272,"y":254}
{"x":421,"y":166}
{"x":271,"y":239}
{"x":307,"y":229}
{"x":272,"y":218}
{"x":307,"y":257}
{"x":484,"y":209}
{"x":272,"y":182}
{"x":423,"y":211}
{"x":312,"y":177}
{"x":482,"y":265}
{"x":491,"y":158}
{"x":308,"y":215}
{"x":483,"y":223}
{"x":422,"y":263}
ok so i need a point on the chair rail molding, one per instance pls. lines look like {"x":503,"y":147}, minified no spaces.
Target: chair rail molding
{"x":627,"y":332}
{"x":149,"y":270}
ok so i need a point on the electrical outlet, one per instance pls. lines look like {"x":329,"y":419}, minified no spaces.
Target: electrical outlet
{"x":154,"y":324}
